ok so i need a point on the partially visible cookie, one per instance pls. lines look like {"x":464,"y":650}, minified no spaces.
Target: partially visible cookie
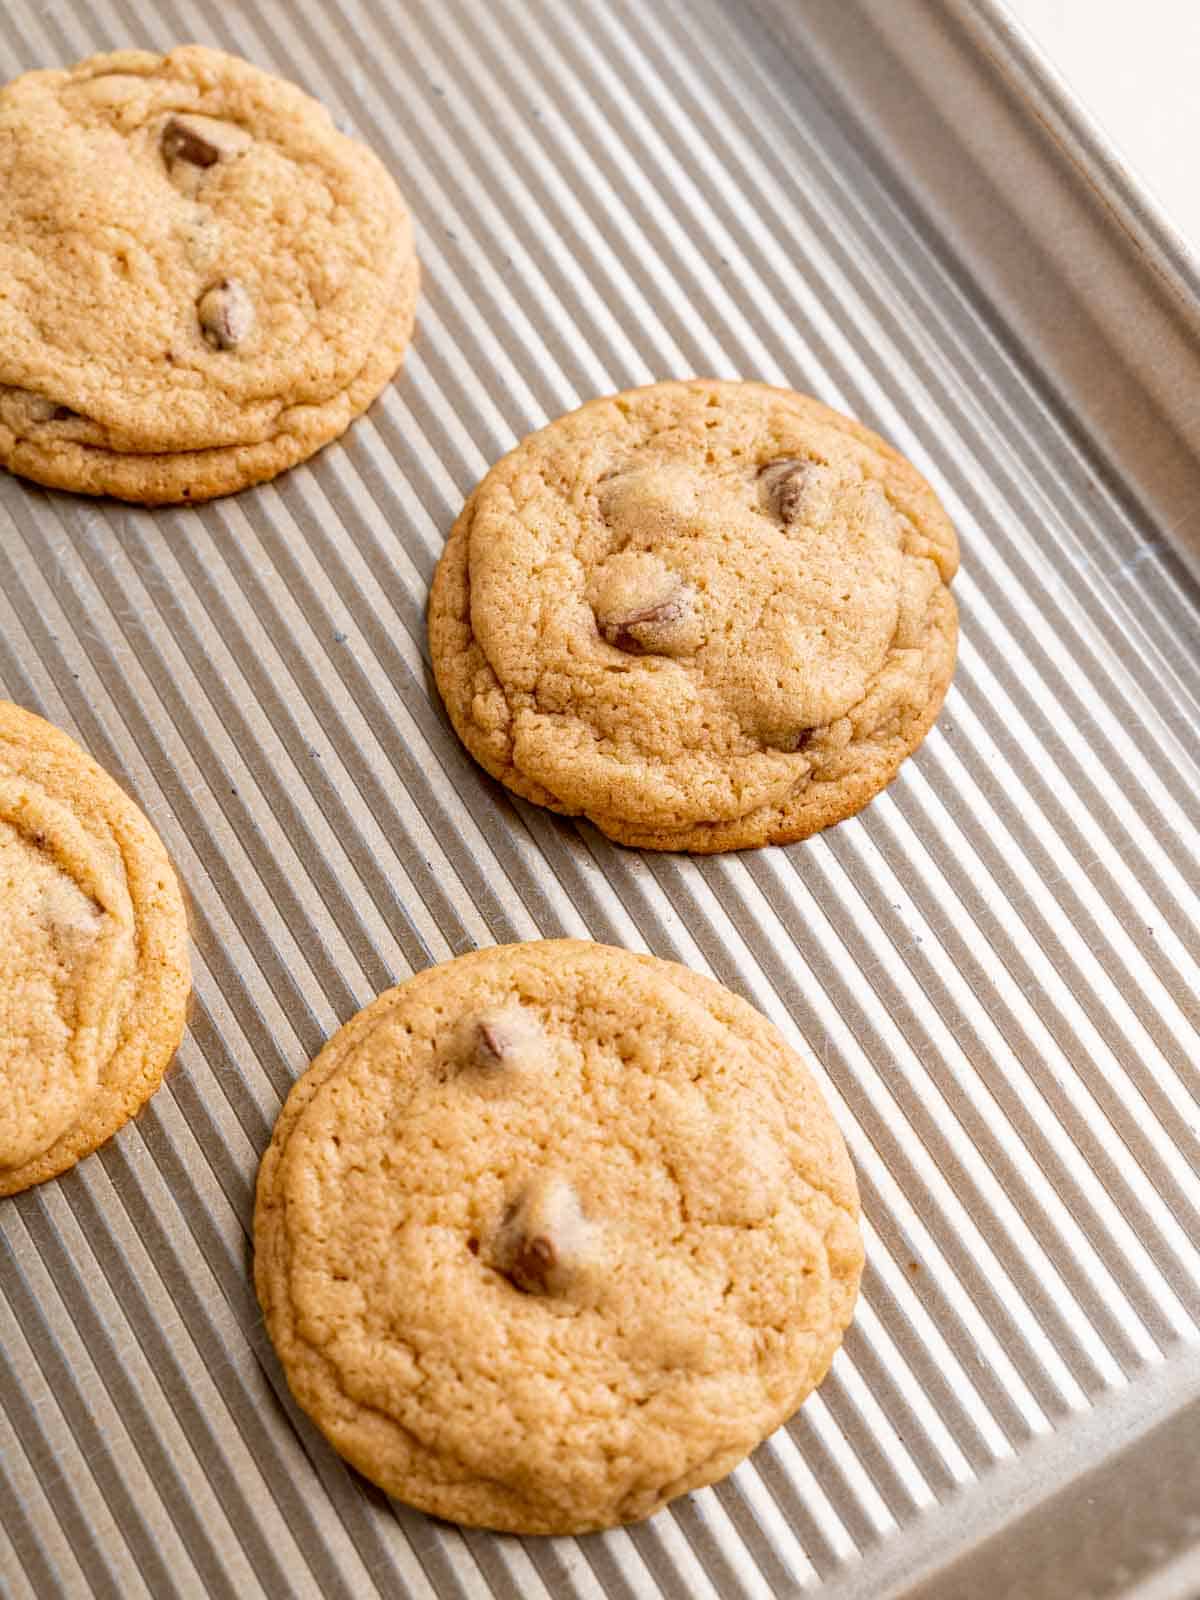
{"x":94,"y":973}
{"x":201,"y":280}
{"x":553,"y":1233}
{"x":704,"y":615}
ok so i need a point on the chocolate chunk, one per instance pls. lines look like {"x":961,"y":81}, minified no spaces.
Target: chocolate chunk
{"x":507,"y":1037}
{"x":533,"y":1263}
{"x":181,"y":141}
{"x":192,"y":146}
{"x":657,"y":629}
{"x":491,"y":1044}
{"x":634,"y":632}
{"x":782,"y":484}
{"x":226,"y":314}
{"x":543,"y":1239}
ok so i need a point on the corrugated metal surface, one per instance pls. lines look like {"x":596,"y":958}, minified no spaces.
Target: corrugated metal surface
{"x":995,"y":967}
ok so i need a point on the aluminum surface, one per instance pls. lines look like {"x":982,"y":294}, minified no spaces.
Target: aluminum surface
{"x":994,"y":968}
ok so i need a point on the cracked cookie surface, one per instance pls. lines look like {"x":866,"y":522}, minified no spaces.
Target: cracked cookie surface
{"x":201,"y":280}
{"x":93,"y":961}
{"x":552,"y":1233}
{"x":704,"y":615}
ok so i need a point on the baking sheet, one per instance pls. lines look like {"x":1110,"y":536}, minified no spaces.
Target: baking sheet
{"x":994,"y":968}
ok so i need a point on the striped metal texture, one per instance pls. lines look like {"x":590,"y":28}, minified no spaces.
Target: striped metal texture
{"x":995,"y":968}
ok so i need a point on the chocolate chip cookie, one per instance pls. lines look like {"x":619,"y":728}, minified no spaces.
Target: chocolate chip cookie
{"x":201,"y":280}
{"x":553,"y":1233}
{"x":703,"y":615}
{"x":93,"y":955}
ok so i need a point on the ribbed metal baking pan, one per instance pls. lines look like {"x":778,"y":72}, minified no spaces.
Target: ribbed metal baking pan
{"x":887,"y":203}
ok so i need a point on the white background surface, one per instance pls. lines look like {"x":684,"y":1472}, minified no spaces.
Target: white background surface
{"x":1135,"y":66}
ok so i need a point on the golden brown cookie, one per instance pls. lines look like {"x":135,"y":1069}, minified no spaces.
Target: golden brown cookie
{"x":93,"y":960}
{"x":201,"y":280}
{"x":553,"y":1233}
{"x":704,"y":615}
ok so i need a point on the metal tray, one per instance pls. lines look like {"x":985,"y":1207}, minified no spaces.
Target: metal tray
{"x":888,"y":203}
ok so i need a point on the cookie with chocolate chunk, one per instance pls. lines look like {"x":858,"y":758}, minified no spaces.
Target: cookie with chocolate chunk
{"x":93,"y":953}
{"x":704,"y":615}
{"x":553,"y":1233}
{"x":201,"y":280}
